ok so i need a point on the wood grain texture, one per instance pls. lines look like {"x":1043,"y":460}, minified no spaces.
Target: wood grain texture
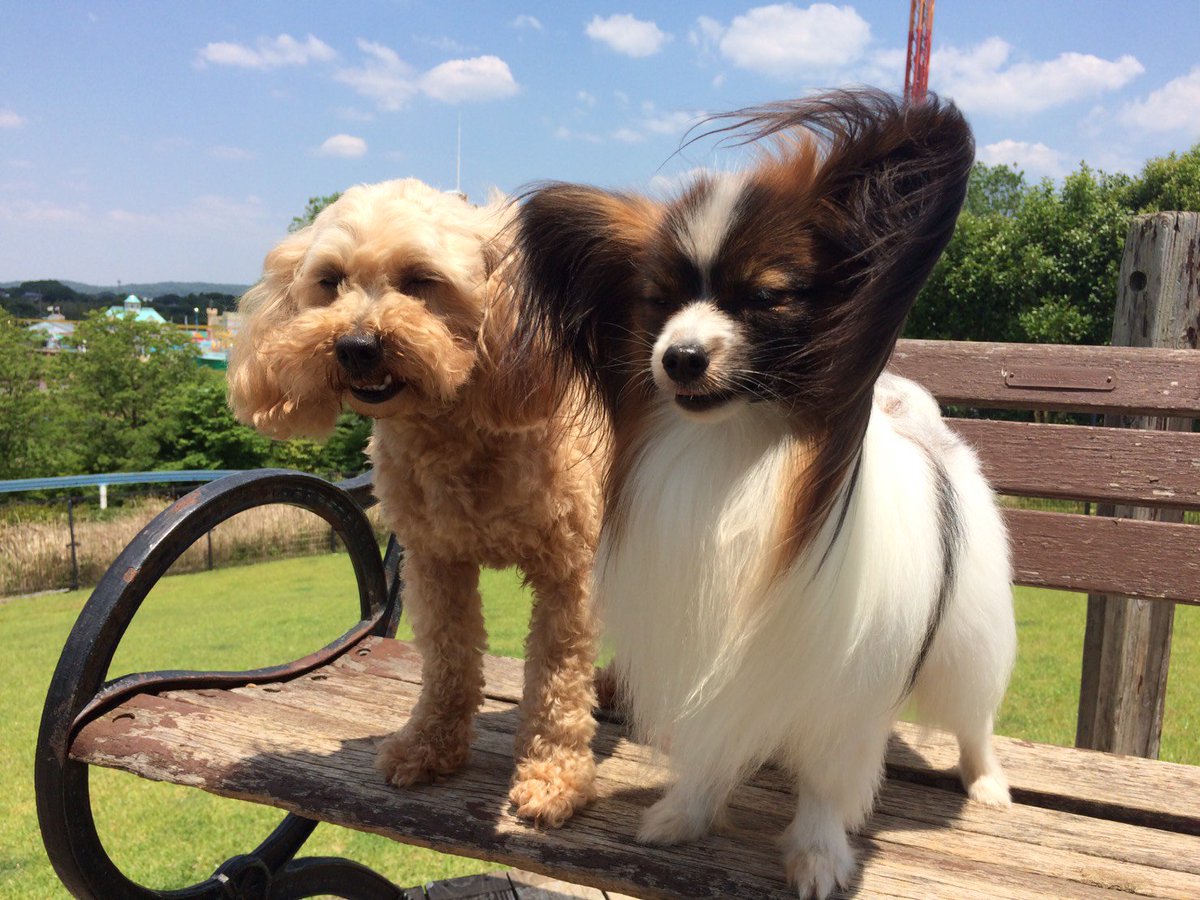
{"x":307,"y":746}
{"x":969,"y":373}
{"x":1078,"y":462}
{"x":1127,"y":645}
{"x":1147,"y":560}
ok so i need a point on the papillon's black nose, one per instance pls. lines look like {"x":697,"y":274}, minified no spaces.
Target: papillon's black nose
{"x":359,"y":353}
{"x":685,"y":363}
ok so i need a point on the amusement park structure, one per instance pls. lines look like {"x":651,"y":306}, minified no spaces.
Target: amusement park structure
{"x":920,"y":37}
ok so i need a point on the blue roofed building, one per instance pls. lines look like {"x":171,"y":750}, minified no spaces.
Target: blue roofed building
{"x":134,"y":308}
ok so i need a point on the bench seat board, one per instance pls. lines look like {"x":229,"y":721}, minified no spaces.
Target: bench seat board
{"x":1083,"y":825}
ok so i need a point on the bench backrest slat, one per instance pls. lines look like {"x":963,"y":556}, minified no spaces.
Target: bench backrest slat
{"x":1078,"y":462}
{"x":1102,"y":554}
{"x":1099,"y":554}
{"x":1134,"y":380}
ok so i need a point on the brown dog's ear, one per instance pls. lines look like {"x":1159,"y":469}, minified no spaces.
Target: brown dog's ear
{"x":578,"y":249}
{"x":255,"y":393}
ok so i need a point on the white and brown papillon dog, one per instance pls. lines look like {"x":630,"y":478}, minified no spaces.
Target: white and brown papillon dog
{"x":795,"y":545}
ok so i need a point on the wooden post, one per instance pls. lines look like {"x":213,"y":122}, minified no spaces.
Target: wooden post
{"x":1127,"y":645}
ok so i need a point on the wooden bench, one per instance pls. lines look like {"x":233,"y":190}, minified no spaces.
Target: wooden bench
{"x":300,"y":737}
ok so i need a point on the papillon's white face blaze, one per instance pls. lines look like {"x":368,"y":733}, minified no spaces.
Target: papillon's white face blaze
{"x":694,"y":360}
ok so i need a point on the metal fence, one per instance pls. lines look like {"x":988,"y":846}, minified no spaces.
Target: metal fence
{"x":54,"y":539}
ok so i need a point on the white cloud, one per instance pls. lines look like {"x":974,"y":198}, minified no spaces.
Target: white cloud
{"x":224,"y":152}
{"x":391,"y":82}
{"x":525,"y":22}
{"x":784,"y":41}
{"x":585,"y":98}
{"x":446,"y":44}
{"x":563,"y":133}
{"x":1173,"y":107}
{"x":44,"y":211}
{"x":467,"y":80}
{"x":981,"y":80}
{"x":269,"y":53}
{"x":204,"y":212}
{"x":9,"y":119}
{"x":675,"y":122}
{"x":651,"y":123}
{"x":345,"y":146}
{"x":1036,"y":159}
{"x":624,"y":34}
{"x":707,"y":33}
{"x":383,"y":76}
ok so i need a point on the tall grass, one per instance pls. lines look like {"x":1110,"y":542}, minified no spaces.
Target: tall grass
{"x":35,"y":553}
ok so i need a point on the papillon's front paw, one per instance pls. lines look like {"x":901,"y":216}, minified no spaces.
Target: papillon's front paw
{"x":673,"y":820}
{"x":816,"y":872}
{"x":990,"y":790}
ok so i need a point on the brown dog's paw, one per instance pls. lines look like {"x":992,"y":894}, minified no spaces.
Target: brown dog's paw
{"x":548,"y":791}
{"x":411,"y":756}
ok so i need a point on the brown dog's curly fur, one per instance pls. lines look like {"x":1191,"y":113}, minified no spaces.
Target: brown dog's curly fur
{"x":475,"y":464}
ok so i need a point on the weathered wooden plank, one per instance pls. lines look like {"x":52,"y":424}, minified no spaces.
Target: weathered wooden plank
{"x":1127,"y":645}
{"x":1129,"y":789}
{"x":1148,"y":560}
{"x":969,"y":373}
{"x":479,"y":793}
{"x":310,"y":745}
{"x":1078,"y":462}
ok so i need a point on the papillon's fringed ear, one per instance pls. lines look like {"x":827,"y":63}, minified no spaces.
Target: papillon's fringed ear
{"x":888,"y":190}
{"x":578,"y":250}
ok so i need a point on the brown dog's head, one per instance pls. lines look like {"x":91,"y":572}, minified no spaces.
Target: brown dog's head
{"x":377,"y":305}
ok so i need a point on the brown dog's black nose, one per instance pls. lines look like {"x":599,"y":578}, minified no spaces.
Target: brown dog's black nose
{"x":359,"y":353}
{"x":685,"y":363}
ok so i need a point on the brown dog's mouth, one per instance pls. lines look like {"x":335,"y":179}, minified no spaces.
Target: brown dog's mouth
{"x":378,"y":392}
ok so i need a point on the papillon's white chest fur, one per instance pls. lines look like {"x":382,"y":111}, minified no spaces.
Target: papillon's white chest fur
{"x":726,"y":663}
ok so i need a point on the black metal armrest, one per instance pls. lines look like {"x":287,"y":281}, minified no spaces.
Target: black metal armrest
{"x":78,"y":691}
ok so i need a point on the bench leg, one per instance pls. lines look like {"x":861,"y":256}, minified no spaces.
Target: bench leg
{"x":555,"y":769}
{"x":446,"y":612}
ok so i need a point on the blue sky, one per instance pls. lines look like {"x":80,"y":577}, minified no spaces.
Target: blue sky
{"x":146,"y":141}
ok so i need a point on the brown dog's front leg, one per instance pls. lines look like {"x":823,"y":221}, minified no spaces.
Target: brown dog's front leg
{"x":443,"y":604}
{"x":555,"y":769}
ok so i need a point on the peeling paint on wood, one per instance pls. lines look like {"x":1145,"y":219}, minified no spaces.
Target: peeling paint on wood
{"x":308,"y":746}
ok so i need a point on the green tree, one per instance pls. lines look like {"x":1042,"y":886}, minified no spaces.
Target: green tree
{"x":114,"y":386}
{"x":1169,"y":182}
{"x":29,"y":438}
{"x":312,"y":210}
{"x":1029,"y":263}
{"x":195,"y":429}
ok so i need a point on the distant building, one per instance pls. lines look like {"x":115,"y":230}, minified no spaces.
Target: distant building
{"x":133,"y":308}
{"x":54,"y":330}
{"x":228,"y":322}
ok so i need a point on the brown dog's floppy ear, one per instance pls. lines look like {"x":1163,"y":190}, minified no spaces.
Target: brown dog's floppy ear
{"x":578,"y":249}
{"x":255,"y":394}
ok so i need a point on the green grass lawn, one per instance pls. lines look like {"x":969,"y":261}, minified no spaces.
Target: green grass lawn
{"x":168,"y":836}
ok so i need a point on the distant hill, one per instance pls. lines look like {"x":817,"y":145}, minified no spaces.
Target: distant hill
{"x":158,"y":288}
